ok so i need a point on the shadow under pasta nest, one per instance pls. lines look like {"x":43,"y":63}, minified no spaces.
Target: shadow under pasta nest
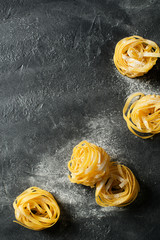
{"x":64,"y":224}
{"x":156,"y":137}
{"x":143,"y":200}
{"x":152,"y":76}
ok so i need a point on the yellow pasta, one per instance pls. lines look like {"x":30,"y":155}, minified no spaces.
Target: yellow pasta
{"x":119,"y":188}
{"x":88,"y":164}
{"x":142,"y":114}
{"x":36,"y":209}
{"x":134,"y":56}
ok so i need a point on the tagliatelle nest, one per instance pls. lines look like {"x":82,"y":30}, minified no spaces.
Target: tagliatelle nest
{"x":36,"y":209}
{"x":119,"y":188}
{"x":134,"y":56}
{"x":88,"y":164}
{"x":142,"y":115}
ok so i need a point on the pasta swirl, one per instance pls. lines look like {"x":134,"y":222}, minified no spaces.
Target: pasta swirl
{"x":119,"y":188}
{"x":142,"y":115}
{"x":88,"y":164}
{"x":134,"y":56}
{"x":36,"y":209}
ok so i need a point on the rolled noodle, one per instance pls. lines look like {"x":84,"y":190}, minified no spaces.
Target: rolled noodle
{"x":142,"y":114}
{"x":119,"y":188}
{"x":88,"y":164}
{"x":36,"y":209}
{"x":134,"y":56}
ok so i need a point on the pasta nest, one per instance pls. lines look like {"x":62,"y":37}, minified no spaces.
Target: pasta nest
{"x":36,"y":209}
{"x":134,"y":56}
{"x":119,"y":188}
{"x":88,"y":164}
{"x":142,"y":115}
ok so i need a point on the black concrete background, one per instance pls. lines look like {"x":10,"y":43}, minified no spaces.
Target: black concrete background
{"x":58,"y":86}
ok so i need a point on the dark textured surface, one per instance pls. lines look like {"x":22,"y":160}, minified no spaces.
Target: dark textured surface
{"x":58,"y":86}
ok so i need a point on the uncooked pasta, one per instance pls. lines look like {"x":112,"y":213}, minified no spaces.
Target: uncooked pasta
{"x":88,"y":164}
{"x":36,"y":209}
{"x":142,"y":114}
{"x":115,"y":184}
{"x":119,"y":188}
{"x":134,"y":56}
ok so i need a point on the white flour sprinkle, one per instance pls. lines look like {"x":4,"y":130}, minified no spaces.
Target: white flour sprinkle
{"x":131,"y":85}
{"x":52,"y":174}
{"x":101,"y":132}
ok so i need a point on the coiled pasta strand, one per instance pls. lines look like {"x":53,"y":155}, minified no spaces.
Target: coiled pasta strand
{"x":36,"y":209}
{"x":134,"y":56}
{"x":142,"y":115}
{"x":88,"y":164}
{"x":119,"y":188}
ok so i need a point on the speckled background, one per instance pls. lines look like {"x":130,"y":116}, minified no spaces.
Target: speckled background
{"x":58,"y":86}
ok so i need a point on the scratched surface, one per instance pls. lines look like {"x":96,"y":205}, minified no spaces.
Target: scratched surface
{"x":58,"y":86}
